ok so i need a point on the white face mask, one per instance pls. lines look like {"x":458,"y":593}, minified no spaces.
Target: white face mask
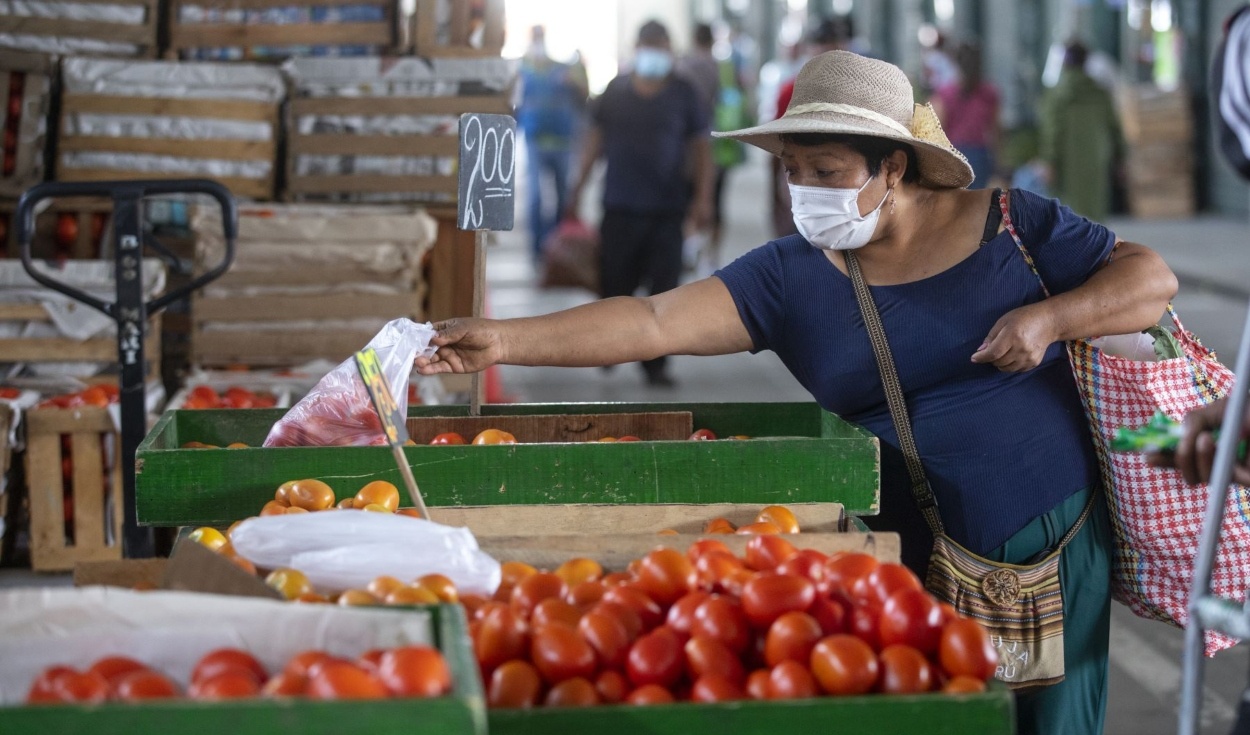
{"x":829,"y":218}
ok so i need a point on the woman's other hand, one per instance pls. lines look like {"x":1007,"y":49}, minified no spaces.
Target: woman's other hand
{"x":1195,"y":453}
{"x":464,"y":346}
{"x":1018,"y":341}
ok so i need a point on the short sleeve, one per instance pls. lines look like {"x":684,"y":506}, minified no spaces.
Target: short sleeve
{"x":1066,"y":247}
{"x":757,"y":284}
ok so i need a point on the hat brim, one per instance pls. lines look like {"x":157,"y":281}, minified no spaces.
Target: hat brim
{"x":940,"y":167}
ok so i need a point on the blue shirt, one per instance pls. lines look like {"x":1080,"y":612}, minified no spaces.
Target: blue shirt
{"x":644,"y":142}
{"x":549,"y":103}
{"x":999,"y":448}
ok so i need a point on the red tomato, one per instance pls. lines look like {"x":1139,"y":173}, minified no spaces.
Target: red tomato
{"x":705,"y":655}
{"x":113,"y":668}
{"x":759,"y":527}
{"x":494,"y":436}
{"x":449,"y":437}
{"x":514,"y":684}
{"x":345,"y":680}
{"x":607,"y":635}
{"x":575,"y":692}
{"x":702,"y":435}
{"x":630,"y":619}
{"x":721,"y":619}
{"x":559,"y":653}
{"x":66,"y":229}
{"x":554,"y":610}
{"x":415,"y":671}
{"x":912,"y":618}
{"x":831,"y":615}
{"x":704,"y":545}
{"x":843,"y":664}
{"x":842,"y":571}
{"x":965,"y":649}
{"x":964,"y":685}
{"x":864,"y":621}
{"x":585,"y":594}
{"x":715,"y":688}
{"x":757,"y":684}
{"x":533,"y":590}
{"x":649,"y":694}
{"x":42,"y":689}
{"x":904,"y":670}
{"x":681,"y":615}
{"x":144,"y":684}
{"x":230,"y":683}
{"x":666,"y":575}
{"x":304,"y":665}
{"x":877,"y":586}
{"x":791,"y":680}
{"x":285,"y":684}
{"x":807,"y":563}
{"x":714,"y":567}
{"x":649,"y":612}
{"x":769,"y":596}
{"x":791,"y":637}
{"x":612,"y":686}
{"x":764,"y":553}
{"x":228,"y":658}
{"x":656,"y":658}
{"x":86,"y":687}
{"x":949,"y":612}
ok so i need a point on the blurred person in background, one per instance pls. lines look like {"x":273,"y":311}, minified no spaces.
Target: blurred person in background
{"x":1081,"y":142}
{"x":548,"y":100}
{"x":968,"y":109}
{"x":938,"y":69}
{"x":648,"y":124}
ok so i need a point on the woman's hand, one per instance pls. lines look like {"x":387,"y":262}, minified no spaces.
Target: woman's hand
{"x":1195,"y":453}
{"x":464,"y":346}
{"x":1018,"y":340}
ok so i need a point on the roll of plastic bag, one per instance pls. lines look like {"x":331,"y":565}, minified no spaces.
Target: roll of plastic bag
{"x":345,"y":549}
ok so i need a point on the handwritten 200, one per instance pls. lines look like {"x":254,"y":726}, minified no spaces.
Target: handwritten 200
{"x":495,"y":151}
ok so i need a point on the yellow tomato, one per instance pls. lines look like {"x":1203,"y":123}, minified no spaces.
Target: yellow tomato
{"x":412,"y":596}
{"x":310,"y":495}
{"x":494,"y":436}
{"x":358,"y":597}
{"x":780,"y":516}
{"x":209,"y":537}
{"x":512,"y":572}
{"x":442,"y":587}
{"x":576,"y":571}
{"x":382,"y":586}
{"x":379,"y":492}
{"x":290,"y":582}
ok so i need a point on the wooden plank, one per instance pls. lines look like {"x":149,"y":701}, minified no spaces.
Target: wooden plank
{"x":495,"y":103}
{"x":225,"y":150}
{"x":425,"y":23}
{"x":277,"y":308}
{"x":61,"y":349}
{"x":371,"y":183}
{"x":304,"y":275}
{"x":494,"y":28}
{"x":68,"y":421}
{"x":547,"y":521}
{"x":451,"y":259}
{"x":253,"y":188}
{"x":139,"y":35}
{"x":169,"y":107}
{"x":88,"y":490}
{"x":176,"y":5}
{"x":653,"y":426}
{"x":44,"y":492}
{"x":24,"y":312}
{"x":120,"y":573}
{"x":216,"y":35}
{"x":277,"y":347}
{"x":347,"y":144}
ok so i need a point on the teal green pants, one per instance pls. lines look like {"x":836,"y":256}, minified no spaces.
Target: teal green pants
{"x":1078,"y":704}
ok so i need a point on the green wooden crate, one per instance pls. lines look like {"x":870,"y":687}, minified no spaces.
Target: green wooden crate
{"x":800,"y":453}
{"x":461,"y":713}
{"x":992,"y":713}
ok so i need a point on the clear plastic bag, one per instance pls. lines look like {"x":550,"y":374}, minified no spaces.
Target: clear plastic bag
{"x":338,"y":411}
{"x":345,"y":549}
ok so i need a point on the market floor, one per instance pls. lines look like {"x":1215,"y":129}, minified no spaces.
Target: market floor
{"x":1209,"y":255}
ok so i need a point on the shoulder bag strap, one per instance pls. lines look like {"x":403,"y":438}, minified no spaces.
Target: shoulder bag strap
{"x":920,"y":488}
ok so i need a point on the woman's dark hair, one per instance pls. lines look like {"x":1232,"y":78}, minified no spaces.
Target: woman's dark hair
{"x":874,"y":150}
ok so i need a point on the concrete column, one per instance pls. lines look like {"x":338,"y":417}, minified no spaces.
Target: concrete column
{"x":907,"y":19}
{"x":1000,"y":46}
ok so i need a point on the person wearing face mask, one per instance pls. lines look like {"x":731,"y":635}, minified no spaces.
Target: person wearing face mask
{"x":881,"y":200}
{"x":647,"y":124}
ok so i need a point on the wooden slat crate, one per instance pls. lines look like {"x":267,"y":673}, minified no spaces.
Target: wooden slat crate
{"x":90,"y":222}
{"x":458,"y":28}
{"x":25,"y":89}
{"x":263,"y":39}
{"x":87,"y":472}
{"x":94,"y":37}
{"x":449,"y":269}
{"x":64,"y":349}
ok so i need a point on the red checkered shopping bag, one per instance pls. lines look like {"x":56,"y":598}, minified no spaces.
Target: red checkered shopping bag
{"x":1156,"y":516}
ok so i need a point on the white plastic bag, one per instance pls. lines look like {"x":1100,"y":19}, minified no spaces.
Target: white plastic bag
{"x":345,"y":549}
{"x":338,"y":411}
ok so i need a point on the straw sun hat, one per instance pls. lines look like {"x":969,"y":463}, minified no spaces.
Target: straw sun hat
{"x":842,"y":92}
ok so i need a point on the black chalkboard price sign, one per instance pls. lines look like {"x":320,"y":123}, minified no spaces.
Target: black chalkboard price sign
{"x":487,"y":184}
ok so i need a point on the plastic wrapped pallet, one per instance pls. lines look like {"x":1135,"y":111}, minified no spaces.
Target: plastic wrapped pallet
{"x":308,"y":282}
{"x":95,"y":27}
{"x":236,"y":30}
{"x":156,"y":119}
{"x":376,"y":129}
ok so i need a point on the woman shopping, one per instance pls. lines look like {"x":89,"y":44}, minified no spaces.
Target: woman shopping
{"x":906,"y":305}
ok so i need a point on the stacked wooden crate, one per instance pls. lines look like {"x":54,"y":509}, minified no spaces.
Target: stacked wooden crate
{"x":1158,"y":131}
{"x":458,"y":28}
{"x":308,"y":282}
{"x":123,"y":28}
{"x":26,"y":88}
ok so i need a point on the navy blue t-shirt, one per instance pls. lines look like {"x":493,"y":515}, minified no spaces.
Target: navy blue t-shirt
{"x":999,"y":448}
{"x":644,"y":142}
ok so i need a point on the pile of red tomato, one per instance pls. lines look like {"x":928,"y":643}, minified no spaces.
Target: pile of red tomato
{"x":228,"y":673}
{"x":203,"y":396}
{"x":99,"y":396}
{"x":708,"y":626}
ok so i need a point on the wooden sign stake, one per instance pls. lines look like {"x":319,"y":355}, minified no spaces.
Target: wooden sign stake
{"x":478,"y":395}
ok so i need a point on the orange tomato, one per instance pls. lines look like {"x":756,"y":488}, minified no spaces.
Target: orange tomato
{"x":904,"y":670}
{"x":345,"y":680}
{"x":113,"y":668}
{"x":513,"y":572}
{"x":554,"y":610}
{"x":842,"y":571}
{"x":303,"y":665}
{"x":607,"y":635}
{"x":76,"y":686}
{"x":585,"y":594}
{"x":237,"y":445}
{"x":285,"y":685}
{"x":769,"y":596}
{"x":442,"y":587}
{"x":494,"y":436}
{"x":759,"y":527}
{"x":296,"y":510}
{"x":310,"y":495}
{"x":764,"y":553}
{"x":313,"y":597}
{"x":666,"y":575}
{"x":704,"y":545}
{"x":290,"y":582}
{"x":450,"y":437}
{"x":648,"y":610}
{"x":346,"y":504}
{"x":94,"y":396}
{"x":578,"y":570}
{"x":758,"y":684}
{"x":791,"y":637}
{"x":412,"y":596}
{"x":780,"y":516}
{"x":415,"y":671}
{"x":382,"y":586}
{"x":534,"y":589}
{"x":273,"y":508}
{"x":718,"y":525}
{"x":357,"y":597}
{"x":378,"y":492}
{"x":844,"y":664}
{"x":502,"y":636}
